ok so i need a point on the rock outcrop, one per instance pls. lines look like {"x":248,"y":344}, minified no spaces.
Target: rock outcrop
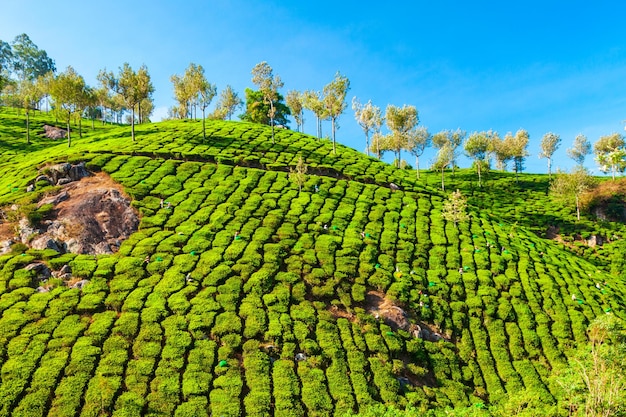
{"x":53,"y":132}
{"x":89,"y":215}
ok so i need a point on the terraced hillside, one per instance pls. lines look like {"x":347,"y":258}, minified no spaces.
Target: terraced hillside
{"x":241,"y":295}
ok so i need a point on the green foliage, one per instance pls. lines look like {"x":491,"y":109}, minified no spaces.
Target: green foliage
{"x":247,"y":297}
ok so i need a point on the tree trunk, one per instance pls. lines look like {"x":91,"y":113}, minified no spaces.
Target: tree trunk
{"x":203,"y":125}
{"x":367,"y":143}
{"x":27,"y":126}
{"x":443,"y":187}
{"x":549,"y":168}
{"x":479,"y":163}
{"x":319,"y":124}
{"x":132,"y":124}
{"x":577,"y":208}
{"x":80,"y":127}
{"x":272,"y":120}
{"x":69,"y":136}
{"x":333,"y":124}
{"x":417,"y":167}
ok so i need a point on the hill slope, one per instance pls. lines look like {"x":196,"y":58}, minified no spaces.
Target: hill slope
{"x":240,"y":295}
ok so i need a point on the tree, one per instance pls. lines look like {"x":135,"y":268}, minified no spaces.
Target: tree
{"x":298,"y":174}
{"x":6,"y":60}
{"x":182,"y":95}
{"x":29,"y":93}
{"x":549,"y":144}
{"x":400,"y":121}
{"x":611,"y":153}
{"x":312,"y":100}
{"x":85,"y":100}
{"x":207,"y":92}
{"x":517,"y":147}
{"x":192,"y":90}
{"x":447,"y":141}
{"x":477,"y":146}
{"x":501,"y":152}
{"x":187,"y":89}
{"x":369,"y":117}
{"x":228,"y":103}
{"x":263,"y":77}
{"x":108,"y":85}
{"x":145,"y":88}
{"x":257,"y":109}
{"x":379,"y":144}
{"x":455,"y":208}
{"x":334,"y":99}
{"x":295,"y":102}
{"x":445,"y":157}
{"x":132,"y":88}
{"x":570,"y":187}
{"x":418,"y":139}
{"x":29,"y":62}
{"x":145,"y":109}
{"x":581,"y":148}
{"x":67,"y":90}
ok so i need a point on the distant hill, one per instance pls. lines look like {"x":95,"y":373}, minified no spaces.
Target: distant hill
{"x":238,"y":294}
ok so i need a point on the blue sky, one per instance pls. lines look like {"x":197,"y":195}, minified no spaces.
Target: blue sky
{"x":539,"y":65}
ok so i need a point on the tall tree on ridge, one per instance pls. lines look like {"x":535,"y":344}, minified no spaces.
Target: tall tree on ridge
{"x":206,"y":94}
{"x":501,"y":152}
{"x":29,"y":93}
{"x":227,"y":104}
{"x":549,"y":144}
{"x":30,"y":62}
{"x":133,"y":87}
{"x":581,"y":148}
{"x":263,"y":77}
{"x":145,"y":87}
{"x":6,"y":59}
{"x":610,"y":153}
{"x":334,"y":99}
{"x":517,"y":146}
{"x":67,"y":91}
{"x":378,"y":145}
{"x":295,"y":102}
{"x":312,"y":100}
{"x":418,"y":139}
{"x":108,"y":85}
{"x":399,"y":122}
{"x":447,"y":141}
{"x":369,"y":117}
{"x":477,"y":147}
{"x":257,"y":109}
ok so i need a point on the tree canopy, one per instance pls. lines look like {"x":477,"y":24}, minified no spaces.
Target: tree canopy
{"x":268,"y":83}
{"x":258,"y":109}
{"x":610,"y":153}
{"x":549,"y":144}
{"x":334,"y":100}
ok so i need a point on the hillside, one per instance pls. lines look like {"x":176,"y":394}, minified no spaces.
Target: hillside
{"x":240,"y":295}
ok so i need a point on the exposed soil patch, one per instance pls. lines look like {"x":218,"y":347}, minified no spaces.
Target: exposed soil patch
{"x":7,"y":231}
{"x":89,"y":216}
{"x":381,"y":307}
{"x":377,"y":304}
{"x":93,"y":216}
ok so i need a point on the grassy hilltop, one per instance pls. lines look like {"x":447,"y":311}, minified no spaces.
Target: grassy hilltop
{"x":242,"y":295}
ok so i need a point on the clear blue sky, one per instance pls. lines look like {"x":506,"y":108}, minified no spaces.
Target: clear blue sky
{"x":539,"y":65}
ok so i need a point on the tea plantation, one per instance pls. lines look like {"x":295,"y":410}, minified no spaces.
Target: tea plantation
{"x":241,"y":295}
